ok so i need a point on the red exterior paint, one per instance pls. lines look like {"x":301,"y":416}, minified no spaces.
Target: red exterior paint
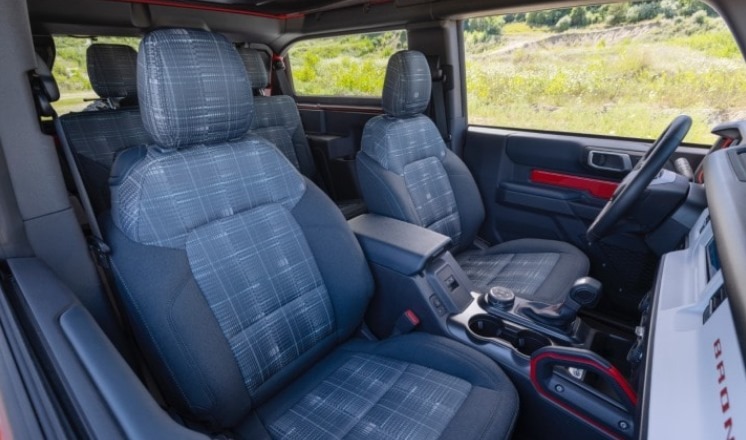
{"x":596,"y":187}
{"x":215,"y":8}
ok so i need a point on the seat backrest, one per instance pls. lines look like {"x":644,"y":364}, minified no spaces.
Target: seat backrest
{"x":95,"y":137}
{"x":237,"y":271}
{"x":405,"y":170}
{"x":112,"y":71}
{"x":276,"y":117}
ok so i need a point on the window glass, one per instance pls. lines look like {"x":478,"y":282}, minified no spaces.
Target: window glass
{"x":623,"y":69}
{"x":71,"y":73}
{"x":349,"y":65}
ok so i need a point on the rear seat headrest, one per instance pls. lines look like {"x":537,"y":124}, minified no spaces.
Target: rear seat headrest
{"x":193,"y":88}
{"x":406,"y":88}
{"x":112,"y":70}
{"x":255,"y":67}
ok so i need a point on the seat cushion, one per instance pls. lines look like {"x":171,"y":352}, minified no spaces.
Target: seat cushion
{"x":538,"y":270}
{"x":416,"y":386}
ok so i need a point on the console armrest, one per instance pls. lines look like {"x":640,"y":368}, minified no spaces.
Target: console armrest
{"x":397,"y":245}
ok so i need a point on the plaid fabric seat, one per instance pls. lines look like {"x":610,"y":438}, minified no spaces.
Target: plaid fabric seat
{"x":406,"y":172}
{"x":245,"y":284}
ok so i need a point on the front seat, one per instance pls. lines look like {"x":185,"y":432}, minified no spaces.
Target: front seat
{"x":245,"y":285}
{"x":406,"y":172}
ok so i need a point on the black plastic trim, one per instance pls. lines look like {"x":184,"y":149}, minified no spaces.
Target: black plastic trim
{"x":725,"y":196}
{"x":397,"y":245}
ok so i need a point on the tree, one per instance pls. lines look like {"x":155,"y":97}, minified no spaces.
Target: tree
{"x":578,"y":17}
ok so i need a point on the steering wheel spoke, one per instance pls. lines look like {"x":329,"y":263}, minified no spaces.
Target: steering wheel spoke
{"x":637,"y":180}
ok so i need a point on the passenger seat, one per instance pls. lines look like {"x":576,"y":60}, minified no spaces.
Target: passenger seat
{"x":95,"y":137}
{"x":276,"y":119}
{"x":245,"y":284}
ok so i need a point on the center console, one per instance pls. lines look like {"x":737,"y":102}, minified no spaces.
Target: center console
{"x":552,"y":356}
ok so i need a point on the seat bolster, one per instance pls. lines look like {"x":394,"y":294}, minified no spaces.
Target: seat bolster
{"x":468,"y":199}
{"x":489,"y":410}
{"x":339,"y":257}
{"x":178,"y":334}
{"x":385,"y":192}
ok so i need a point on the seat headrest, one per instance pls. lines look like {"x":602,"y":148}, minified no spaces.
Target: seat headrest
{"x":406,"y":89}
{"x":193,"y":88}
{"x":112,"y":70}
{"x":255,"y":67}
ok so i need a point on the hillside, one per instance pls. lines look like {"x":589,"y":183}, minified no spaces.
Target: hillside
{"x":621,"y":69}
{"x":628,"y":80}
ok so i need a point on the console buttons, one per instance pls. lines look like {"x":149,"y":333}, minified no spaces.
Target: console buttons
{"x":501,"y":297}
{"x":438,"y":305}
{"x":451,"y":283}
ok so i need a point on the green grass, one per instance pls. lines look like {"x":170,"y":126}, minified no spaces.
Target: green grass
{"x":528,"y":77}
{"x":351,"y":65}
{"x":630,"y":87}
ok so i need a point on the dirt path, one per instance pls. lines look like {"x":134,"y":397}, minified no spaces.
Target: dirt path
{"x":574,"y":38}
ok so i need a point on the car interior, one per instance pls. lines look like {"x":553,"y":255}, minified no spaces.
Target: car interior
{"x":203,"y":249}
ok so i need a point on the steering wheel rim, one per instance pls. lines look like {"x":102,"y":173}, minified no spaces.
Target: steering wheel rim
{"x":637,"y":180}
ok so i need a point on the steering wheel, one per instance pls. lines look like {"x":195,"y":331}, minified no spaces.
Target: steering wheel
{"x":635,"y":182}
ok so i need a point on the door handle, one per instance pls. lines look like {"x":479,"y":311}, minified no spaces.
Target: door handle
{"x":609,"y":161}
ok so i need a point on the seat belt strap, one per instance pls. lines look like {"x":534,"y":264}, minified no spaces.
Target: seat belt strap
{"x":278,"y":66}
{"x":438,"y":108}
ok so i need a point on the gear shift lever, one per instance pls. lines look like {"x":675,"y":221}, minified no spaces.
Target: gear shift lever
{"x":584,"y":293}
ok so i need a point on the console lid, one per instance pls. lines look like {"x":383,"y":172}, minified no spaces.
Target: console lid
{"x":397,"y":245}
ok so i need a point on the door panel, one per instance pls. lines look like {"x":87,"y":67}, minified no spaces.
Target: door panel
{"x":551,"y":186}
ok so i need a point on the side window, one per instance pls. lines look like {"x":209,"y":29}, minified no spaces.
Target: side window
{"x":71,"y":72}
{"x":623,"y":69}
{"x":349,"y":65}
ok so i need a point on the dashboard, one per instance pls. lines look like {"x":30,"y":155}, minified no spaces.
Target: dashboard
{"x":695,"y":378}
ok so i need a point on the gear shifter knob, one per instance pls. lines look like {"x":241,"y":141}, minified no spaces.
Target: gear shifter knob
{"x":500,"y":297}
{"x":584,"y":293}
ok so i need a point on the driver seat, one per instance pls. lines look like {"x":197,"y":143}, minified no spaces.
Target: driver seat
{"x":406,"y":172}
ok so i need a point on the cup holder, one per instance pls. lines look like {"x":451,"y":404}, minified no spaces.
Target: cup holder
{"x":486,"y":326}
{"x":527,"y":342}
{"x":522,"y":340}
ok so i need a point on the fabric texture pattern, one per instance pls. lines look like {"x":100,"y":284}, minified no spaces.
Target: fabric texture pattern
{"x":99,"y":136}
{"x":196,"y":91}
{"x":395,"y":143}
{"x":522,"y":273}
{"x":258,"y":275}
{"x":255,"y":67}
{"x":375,"y":397}
{"x":165,"y":196}
{"x":432,"y":196}
{"x":276,"y":119}
{"x":406,"y":87}
{"x":112,"y":70}
{"x":96,"y":138}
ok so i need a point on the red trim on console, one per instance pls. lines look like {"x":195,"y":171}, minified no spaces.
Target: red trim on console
{"x":596,"y":187}
{"x":611,"y":371}
{"x":203,"y":7}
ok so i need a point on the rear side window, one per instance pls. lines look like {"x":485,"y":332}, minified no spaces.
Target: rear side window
{"x":623,"y":69}
{"x":349,"y":65}
{"x":71,"y":72}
